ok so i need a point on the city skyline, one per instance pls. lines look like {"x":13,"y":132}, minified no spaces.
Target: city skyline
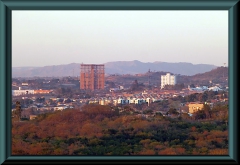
{"x":44,"y":38}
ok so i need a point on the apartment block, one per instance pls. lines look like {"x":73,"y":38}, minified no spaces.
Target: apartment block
{"x":92,"y":77}
{"x":168,"y":79}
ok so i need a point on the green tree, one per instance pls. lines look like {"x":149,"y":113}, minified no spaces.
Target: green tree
{"x":172,"y":111}
{"x":192,"y":97}
{"x":175,"y":104}
{"x":200,"y":115}
{"x":207,"y":110}
{"x":134,"y":85}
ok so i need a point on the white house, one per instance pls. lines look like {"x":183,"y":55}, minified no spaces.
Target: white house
{"x":216,"y":88}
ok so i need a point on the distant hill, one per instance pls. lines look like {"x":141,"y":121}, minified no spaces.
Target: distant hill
{"x":72,"y":69}
{"x":217,"y":76}
{"x":217,"y":73}
{"x":118,"y":67}
{"x":135,"y":67}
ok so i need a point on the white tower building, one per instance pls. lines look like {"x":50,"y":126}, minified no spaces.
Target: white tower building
{"x":168,"y":79}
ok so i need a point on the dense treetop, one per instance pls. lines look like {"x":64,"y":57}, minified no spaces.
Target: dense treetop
{"x":101,"y":130}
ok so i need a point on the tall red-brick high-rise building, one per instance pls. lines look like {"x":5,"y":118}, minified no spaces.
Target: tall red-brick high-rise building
{"x":92,"y":77}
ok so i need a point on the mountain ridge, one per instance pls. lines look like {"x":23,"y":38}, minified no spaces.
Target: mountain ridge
{"x":115,"y":67}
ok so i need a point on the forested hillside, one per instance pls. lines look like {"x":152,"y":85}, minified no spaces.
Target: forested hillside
{"x":217,"y":76}
{"x":101,"y":130}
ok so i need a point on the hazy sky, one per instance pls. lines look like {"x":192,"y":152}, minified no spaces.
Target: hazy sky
{"x":41,"y":38}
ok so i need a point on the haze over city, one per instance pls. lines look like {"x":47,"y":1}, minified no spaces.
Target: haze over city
{"x":42,"y":38}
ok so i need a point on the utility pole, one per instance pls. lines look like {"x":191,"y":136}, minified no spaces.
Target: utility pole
{"x":18,"y":110}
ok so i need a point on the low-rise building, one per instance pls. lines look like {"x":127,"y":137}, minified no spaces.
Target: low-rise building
{"x":21,"y":92}
{"x":194,"y":107}
{"x":40,"y":91}
{"x":31,"y":117}
{"x":24,"y":84}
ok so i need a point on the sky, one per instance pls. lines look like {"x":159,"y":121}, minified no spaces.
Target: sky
{"x":43,"y":38}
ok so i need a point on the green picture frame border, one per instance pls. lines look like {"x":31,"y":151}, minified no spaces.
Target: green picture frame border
{"x":6,"y":7}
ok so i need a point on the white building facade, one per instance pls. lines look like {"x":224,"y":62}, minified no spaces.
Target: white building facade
{"x":168,"y":79}
{"x":22,"y":92}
